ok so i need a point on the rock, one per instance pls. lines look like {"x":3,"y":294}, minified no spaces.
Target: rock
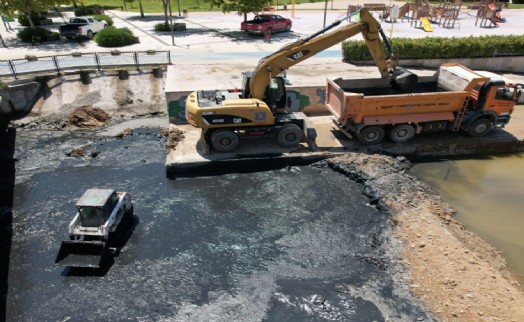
{"x":77,"y":152}
{"x":126,"y":132}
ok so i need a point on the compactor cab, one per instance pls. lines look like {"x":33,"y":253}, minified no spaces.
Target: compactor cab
{"x":100,"y":212}
{"x":95,"y":206}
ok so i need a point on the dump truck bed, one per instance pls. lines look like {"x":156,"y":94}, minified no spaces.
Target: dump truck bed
{"x":379,"y":108}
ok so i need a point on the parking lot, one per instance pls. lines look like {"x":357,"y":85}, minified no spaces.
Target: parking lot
{"x":219,"y":35}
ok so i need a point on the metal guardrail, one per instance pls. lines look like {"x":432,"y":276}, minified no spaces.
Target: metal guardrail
{"x":84,"y":61}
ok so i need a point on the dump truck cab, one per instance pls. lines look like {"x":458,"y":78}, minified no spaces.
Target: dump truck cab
{"x":496,"y":97}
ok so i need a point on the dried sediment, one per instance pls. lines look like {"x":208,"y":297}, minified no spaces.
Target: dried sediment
{"x":456,"y":274}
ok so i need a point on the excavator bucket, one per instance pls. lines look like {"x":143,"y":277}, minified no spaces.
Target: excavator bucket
{"x":404,"y":80}
{"x":76,"y":253}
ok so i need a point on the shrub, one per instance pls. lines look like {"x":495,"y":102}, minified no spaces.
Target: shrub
{"x":518,"y":1}
{"x":88,"y":11}
{"x":107,"y":19}
{"x":115,"y":37}
{"x":428,"y":48}
{"x":177,"y":26}
{"x":27,"y":34}
{"x":36,"y":17}
{"x":162,"y":27}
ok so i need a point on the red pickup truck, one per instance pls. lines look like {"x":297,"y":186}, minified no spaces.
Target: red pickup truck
{"x":266,"y":24}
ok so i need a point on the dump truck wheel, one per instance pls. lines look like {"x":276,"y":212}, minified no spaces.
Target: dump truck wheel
{"x":290,"y":135}
{"x":480,"y":127}
{"x":402,"y":133}
{"x":371,"y":135}
{"x":224,"y":140}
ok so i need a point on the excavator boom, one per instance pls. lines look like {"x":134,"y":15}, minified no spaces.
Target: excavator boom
{"x":292,"y":54}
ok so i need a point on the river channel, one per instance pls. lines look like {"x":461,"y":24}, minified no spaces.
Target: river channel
{"x":487,"y":194}
{"x":290,"y":244}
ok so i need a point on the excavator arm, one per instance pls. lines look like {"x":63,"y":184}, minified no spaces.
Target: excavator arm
{"x":292,"y":54}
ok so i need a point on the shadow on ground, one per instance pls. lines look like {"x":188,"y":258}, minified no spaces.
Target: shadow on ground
{"x":7,"y":182}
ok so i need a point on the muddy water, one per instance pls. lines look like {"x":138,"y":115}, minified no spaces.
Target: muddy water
{"x":293,"y":244}
{"x":487,"y":194}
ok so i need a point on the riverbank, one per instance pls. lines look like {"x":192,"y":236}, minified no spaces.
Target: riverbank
{"x":457,"y":275}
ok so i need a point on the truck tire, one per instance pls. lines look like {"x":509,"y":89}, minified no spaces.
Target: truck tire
{"x":290,"y":135}
{"x":89,"y":34}
{"x":224,"y":140}
{"x":402,"y":133}
{"x":371,"y":135}
{"x":480,"y":127}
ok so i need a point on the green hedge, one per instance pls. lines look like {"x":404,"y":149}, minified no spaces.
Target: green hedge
{"x":162,"y":27}
{"x":107,"y":19}
{"x":115,"y":37}
{"x":428,"y":48}
{"x":88,"y":11}
{"x":27,"y":34}
{"x":177,"y":26}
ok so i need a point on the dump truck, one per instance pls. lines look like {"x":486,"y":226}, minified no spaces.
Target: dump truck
{"x":100,"y":213}
{"x":456,"y":98}
{"x":259,"y":107}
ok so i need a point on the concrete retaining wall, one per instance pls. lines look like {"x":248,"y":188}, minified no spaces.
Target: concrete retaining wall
{"x":18,"y":100}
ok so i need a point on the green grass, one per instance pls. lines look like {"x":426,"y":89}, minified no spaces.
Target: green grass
{"x":155,"y":6}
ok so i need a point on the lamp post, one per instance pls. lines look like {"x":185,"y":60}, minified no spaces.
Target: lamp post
{"x":171,"y":23}
{"x":325,"y":11}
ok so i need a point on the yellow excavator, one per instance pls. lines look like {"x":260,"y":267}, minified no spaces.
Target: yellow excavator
{"x":259,"y":108}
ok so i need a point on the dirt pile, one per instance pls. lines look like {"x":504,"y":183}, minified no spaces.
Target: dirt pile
{"x":457,"y":275}
{"x":88,"y":117}
{"x":174,"y":135}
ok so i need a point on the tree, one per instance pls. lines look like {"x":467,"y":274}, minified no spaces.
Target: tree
{"x":130,"y":2}
{"x":28,"y":6}
{"x":242,"y":7}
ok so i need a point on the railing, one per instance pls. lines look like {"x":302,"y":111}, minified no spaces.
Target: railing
{"x":83,"y":62}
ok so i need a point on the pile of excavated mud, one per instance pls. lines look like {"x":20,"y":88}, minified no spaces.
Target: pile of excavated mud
{"x":457,"y":275}
{"x":88,"y":117}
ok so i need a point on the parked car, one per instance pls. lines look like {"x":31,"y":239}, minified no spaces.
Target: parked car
{"x":82,"y":27}
{"x":266,"y":24}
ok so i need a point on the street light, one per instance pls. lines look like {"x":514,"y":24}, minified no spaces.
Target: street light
{"x":325,"y":11}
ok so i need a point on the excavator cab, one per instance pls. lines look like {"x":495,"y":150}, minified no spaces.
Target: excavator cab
{"x":274,"y":95}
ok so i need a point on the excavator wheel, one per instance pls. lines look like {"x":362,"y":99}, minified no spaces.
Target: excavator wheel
{"x":290,"y":135}
{"x":402,"y":133}
{"x":371,"y":135}
{"x":224,"y":140}
{"x":480,"y":127}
